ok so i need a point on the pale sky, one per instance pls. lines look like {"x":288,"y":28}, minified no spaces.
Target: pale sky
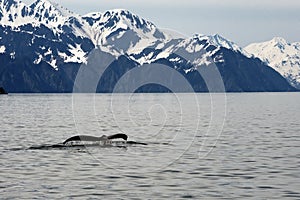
{"x":241,"y":21}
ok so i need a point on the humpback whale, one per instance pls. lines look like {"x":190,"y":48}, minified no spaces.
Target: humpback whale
{"x":104,"y":141}
{"x":95,"y":139}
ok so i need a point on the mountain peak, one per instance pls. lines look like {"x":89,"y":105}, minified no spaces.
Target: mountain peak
{"x":120,"y":11}
{"x":279,"y":40}
{"x":219,"y":41}
{"x":118,"y":19}
{"x":123,"y":30}
{"x":280,"y":55}
{"x":47,"y":11}
{"x":126,"y":17}
{"x":215,"y":40}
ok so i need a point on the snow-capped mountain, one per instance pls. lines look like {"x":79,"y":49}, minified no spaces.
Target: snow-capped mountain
{"x":122,"y":31}
{"x":198,"y":49}
{"x":43,"y":45}
{"x":284,"y":57}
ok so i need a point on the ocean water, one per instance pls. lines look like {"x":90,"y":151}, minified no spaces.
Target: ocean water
{"x":200,"y":146}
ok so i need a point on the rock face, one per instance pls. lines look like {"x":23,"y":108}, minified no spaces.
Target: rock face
{"x":2,"y":91}
{"x":43,"y":46}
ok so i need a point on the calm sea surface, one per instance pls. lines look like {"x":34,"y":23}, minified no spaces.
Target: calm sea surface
{"x":243,"y":146}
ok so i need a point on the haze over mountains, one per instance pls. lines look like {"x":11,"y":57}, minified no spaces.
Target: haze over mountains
{"x":43,"y":45}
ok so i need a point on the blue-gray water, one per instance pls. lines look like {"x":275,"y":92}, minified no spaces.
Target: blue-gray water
{"x":235,"y":146}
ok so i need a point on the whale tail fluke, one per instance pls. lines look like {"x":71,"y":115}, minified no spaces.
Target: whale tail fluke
{"x":74,"y":138}
{"x":81,"y":138}
{"x":118,"y":136}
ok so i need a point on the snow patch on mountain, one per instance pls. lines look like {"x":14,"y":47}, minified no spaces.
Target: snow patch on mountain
{"x":38,"y":59}
{"x":77,"y":55}
{"x":2,"y":49}
{"x":53,"y":62}
{"x":13,"y":55}
{"x":282,"y":56}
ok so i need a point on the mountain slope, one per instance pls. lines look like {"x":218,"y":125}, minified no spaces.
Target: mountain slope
{"x":14,"y":13}
{"x":282,"y":56}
